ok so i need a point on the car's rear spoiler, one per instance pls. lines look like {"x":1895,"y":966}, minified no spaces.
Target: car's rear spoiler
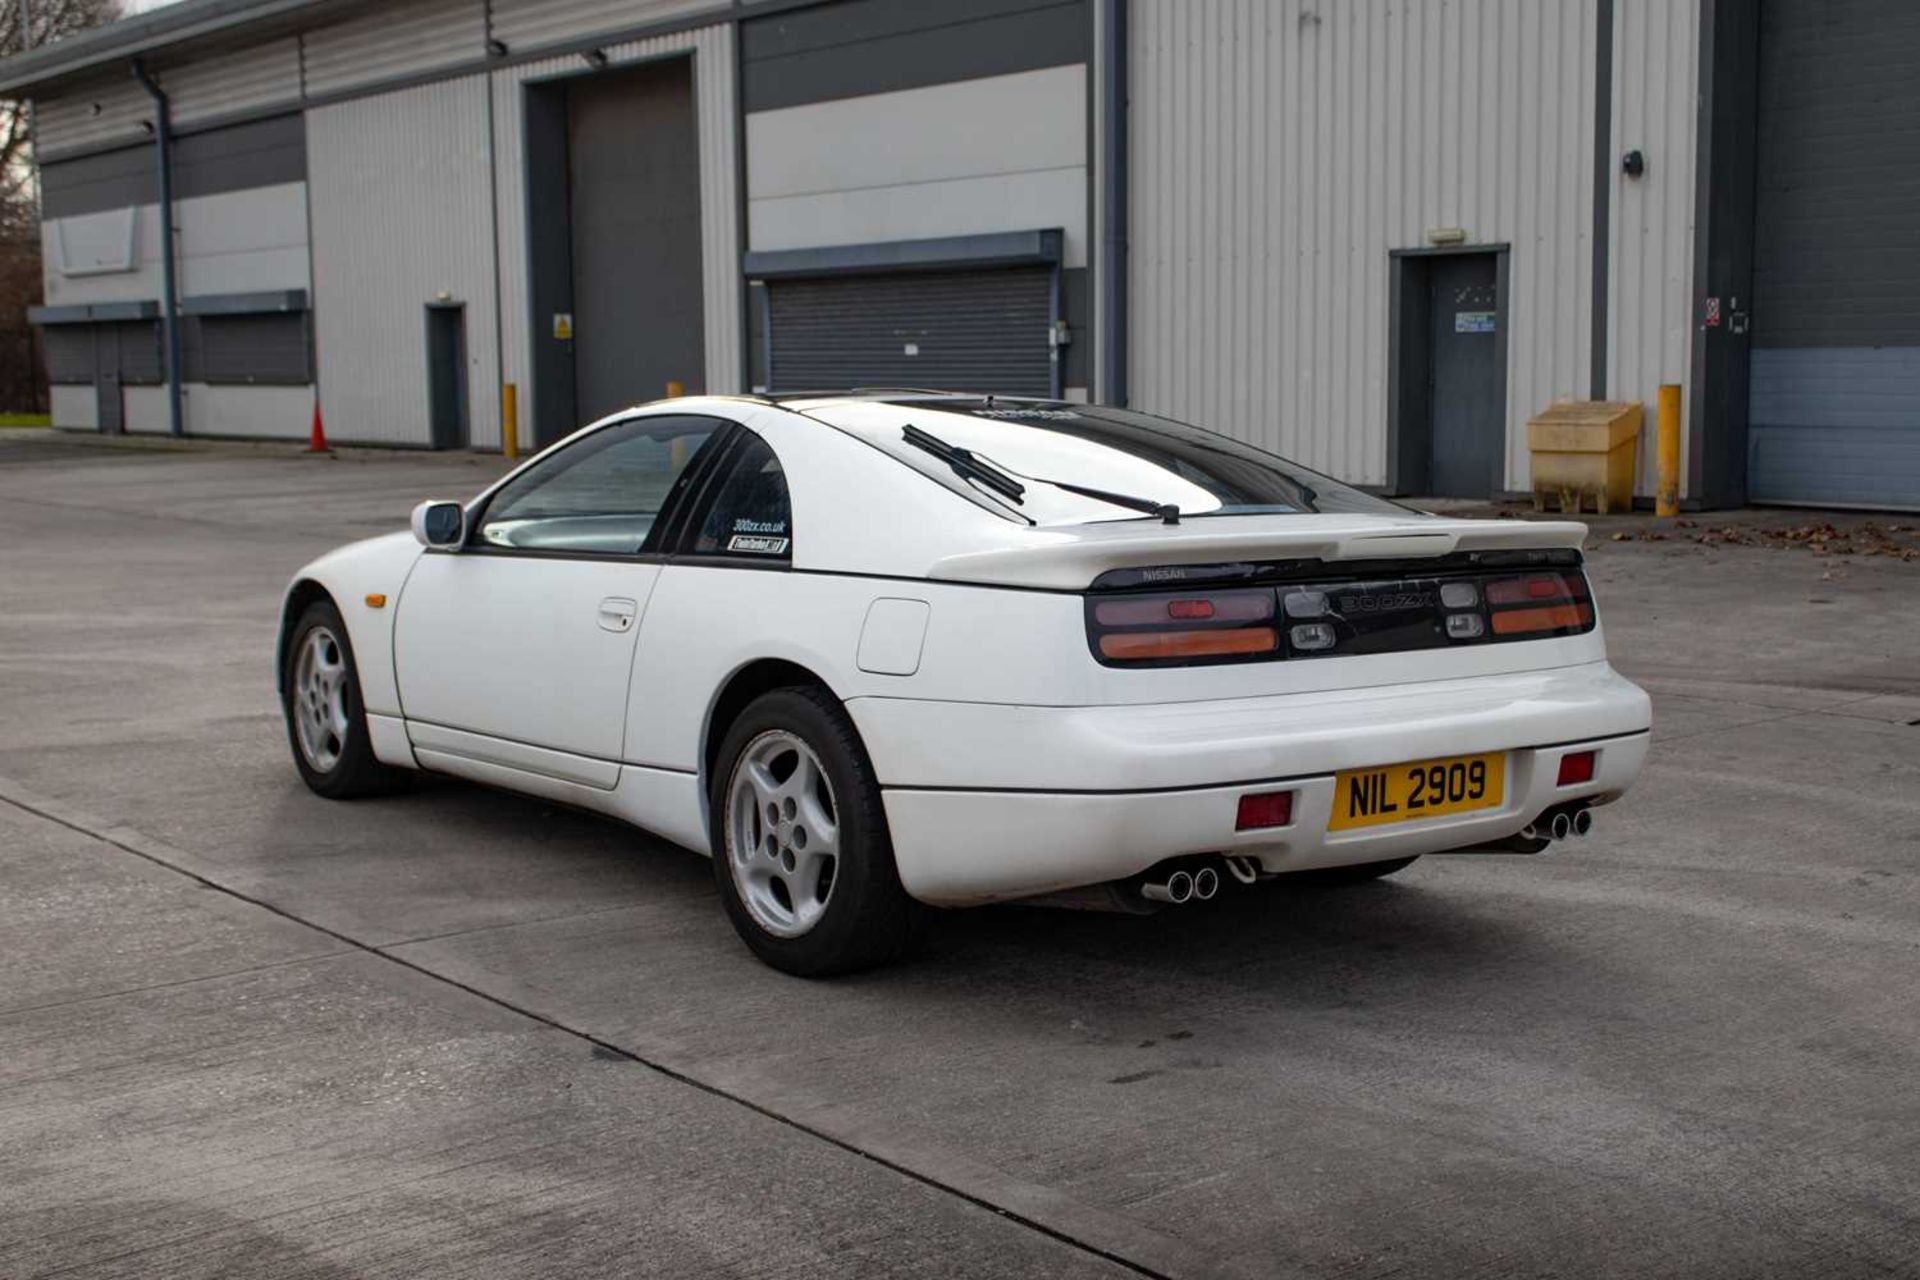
{"x":1070,"y":559}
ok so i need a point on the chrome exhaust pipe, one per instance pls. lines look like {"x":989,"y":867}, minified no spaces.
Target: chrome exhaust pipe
{"x":1176,"y":888}
{"x":1582,"y":822}
{"x":1206,"y":883}
{"x":1562,"y":825}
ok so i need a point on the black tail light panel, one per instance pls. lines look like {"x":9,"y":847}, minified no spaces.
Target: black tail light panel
{"x":1254,"y":612}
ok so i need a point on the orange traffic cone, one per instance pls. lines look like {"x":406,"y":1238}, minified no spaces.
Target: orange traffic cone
{"x":318,"y":442}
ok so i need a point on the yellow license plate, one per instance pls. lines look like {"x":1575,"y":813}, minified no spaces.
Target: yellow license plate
{"x":1417,"y":789}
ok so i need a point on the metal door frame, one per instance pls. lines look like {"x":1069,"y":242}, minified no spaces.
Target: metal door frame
{"x":1409,"y":412}
{"x":463,"y":411}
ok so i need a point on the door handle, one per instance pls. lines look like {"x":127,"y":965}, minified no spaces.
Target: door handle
{"x":617,"y":614}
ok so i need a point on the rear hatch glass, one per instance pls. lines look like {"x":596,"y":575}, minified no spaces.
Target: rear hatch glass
{"x":1047,"y":444}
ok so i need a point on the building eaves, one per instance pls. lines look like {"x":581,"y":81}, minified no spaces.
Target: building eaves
{"x":188,"y":23}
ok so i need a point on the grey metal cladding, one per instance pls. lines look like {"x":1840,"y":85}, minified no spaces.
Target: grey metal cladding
{"x":1837,"y":227}
{"x":878,"y":46}
{"x":1835,"y":425}
{"x":989,"y":249}
{"x":957,"y":331}
{"x":259,"y":153}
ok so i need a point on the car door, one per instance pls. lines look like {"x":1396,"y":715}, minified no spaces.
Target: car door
{"x":514,"y":651}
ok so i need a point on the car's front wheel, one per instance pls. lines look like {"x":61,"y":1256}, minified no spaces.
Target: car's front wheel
{"x":801,"y":851}
{"x":326,"y":722}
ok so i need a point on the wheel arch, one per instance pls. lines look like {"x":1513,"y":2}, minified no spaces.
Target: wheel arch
{"x":303,"y":592}
{"x":737,"y":692}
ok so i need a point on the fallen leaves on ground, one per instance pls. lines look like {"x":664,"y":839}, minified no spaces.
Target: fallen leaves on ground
{"x":1822,"y":538}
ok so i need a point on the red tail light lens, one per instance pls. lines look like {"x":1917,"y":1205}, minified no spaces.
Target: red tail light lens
{"x":1538,"y":602}
{"x":1576,"y":767}
{"x":1267,"y":809}
{"x":1191,"y":627}
{"x":1146,"y":646}
{"x":1557,"y":617}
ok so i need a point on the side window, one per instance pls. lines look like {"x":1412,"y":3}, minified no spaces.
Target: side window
{"x":602,"y":495}
{"x":750,"y":517}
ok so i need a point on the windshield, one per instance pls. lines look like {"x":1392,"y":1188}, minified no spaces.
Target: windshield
{"x":1090,"y":446}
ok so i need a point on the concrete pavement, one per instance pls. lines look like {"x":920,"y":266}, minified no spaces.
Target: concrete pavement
{"x":245,"y":1031}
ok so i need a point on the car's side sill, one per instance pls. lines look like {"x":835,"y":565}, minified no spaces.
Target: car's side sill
{"x":438,"y":747}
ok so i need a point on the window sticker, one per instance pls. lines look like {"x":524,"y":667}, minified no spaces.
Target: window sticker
{"x":759,"y":537}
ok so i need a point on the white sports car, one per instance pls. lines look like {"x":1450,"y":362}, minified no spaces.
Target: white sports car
{"x":887,"y":650}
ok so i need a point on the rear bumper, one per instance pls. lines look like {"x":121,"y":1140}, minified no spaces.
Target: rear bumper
{"x":993,"y":802}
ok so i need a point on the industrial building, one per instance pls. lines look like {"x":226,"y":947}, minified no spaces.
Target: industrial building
{"x":1375,"y":235}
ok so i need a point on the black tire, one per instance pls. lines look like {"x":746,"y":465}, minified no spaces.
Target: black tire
{"x":1358,"y":874}
{"x":868,"y":918}
{"x":355,"y":771}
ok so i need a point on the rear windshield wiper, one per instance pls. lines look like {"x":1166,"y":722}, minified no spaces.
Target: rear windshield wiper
{"x":969,"y":465}
{"x":1167,"y":511}
{"x":966,"y":464}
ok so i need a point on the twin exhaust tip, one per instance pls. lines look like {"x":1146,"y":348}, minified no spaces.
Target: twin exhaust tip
{"x":1560,"y":824}
{"x":1183,"y":886}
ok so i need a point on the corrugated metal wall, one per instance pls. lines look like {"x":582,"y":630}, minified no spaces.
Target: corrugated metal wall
{"x":1656,"y":60}
{"x":392,"y":42}
{"x":90,"y":116}
{"x":528,"y":24}
{"x":713,"y":90}
{"x":401,"y":214}
{"x":1281,"y":148}
{"x":209,"y":88}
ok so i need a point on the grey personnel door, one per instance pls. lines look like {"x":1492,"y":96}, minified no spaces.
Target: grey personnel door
{"x":634,"y":184}
{"x":1468,"y":402}
{"x":447,"y":375}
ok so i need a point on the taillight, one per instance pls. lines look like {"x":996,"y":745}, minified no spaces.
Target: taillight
{"x":1538,"y":602}
{"x":1190,"y":627}
{"x":1397,"y":609}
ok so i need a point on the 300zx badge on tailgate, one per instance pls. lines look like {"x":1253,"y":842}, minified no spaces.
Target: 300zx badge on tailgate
{"x":1417,"y":789}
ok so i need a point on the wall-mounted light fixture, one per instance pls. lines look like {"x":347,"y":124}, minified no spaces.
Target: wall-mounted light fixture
{"x":496,"y":48}
{"x":1633,"y":164}
{"x":1446,"y":235}
{"x":596,"y":58}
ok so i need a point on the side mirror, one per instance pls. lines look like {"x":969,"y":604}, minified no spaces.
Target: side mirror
{"x":440,"y":524}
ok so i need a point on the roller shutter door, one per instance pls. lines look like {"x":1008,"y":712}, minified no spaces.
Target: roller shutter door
{"x":1835,"y":390}
{"x":945,"y":331}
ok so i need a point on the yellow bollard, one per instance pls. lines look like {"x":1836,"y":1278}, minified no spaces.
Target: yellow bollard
{"x":1666,"y":500}
{"x":510,"y":420}
{"x":676,"y":389}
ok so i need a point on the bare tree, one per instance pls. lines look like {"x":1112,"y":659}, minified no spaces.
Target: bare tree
{"x":20,"y":382}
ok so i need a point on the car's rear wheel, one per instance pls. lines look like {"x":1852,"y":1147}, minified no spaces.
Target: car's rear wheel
{"x":1357,"y":874}
{"x":326,"y":722}
{"x":801,"y":852}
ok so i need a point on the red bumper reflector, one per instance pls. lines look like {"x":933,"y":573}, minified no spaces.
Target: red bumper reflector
{"x":1268,"y":809}
{"x":1575,"y":768}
